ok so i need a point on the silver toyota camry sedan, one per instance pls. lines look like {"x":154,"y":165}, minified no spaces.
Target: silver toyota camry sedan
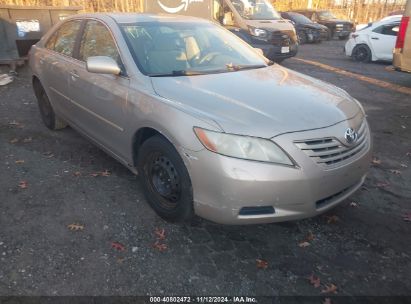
{"x":211,"y":126}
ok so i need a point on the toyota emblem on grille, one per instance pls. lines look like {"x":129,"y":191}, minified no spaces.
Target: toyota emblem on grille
{"x":350,"y":136}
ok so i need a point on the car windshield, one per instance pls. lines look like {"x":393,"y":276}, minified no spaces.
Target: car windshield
{"x":256,"y":9}
{"x":326,"y":15}
{"x":298,"y":18}
{"x":186,"y":48}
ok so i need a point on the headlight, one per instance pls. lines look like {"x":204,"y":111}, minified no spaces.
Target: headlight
{"x":260,"y":33}
{"x":244,"y":147}
{"x":339,"y":25}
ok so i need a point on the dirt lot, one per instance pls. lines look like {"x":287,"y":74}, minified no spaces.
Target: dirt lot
{"x":48,"y":181}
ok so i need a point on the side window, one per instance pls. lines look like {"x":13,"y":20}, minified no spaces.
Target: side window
{"x":218,"y":11}
{"x":378,"y":30}
{"x":228,"y":16}
{"x":391,"y":30}
{"x":97,"y":41}
{"x":52,"y":41}
{"x":66,"y":37}
{"x":388,"y":29}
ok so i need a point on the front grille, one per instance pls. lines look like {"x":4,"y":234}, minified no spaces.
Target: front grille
{"x":347,"y":27}
{"x":332,"y":198}
{"x":283,"y":38}
{"x":280,"y":39}
{"x":344,"y":27}
{"x":331,"y":152}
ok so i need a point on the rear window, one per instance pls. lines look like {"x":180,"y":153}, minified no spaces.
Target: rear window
{"x":63,"y":41}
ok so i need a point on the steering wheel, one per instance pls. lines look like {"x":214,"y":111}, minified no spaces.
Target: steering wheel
{"x":208,"y":57}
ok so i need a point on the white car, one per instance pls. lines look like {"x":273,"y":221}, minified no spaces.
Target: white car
{"x":374,"y":42}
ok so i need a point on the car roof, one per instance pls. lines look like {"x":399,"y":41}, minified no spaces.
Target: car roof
{"x":141,"y":17}
{"x":386,"y":20}
{"x":391,"y":18}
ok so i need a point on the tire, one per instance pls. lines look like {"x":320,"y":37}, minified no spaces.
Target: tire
{"x":302,"y":38}
{"x":49,"y":117}
{"x":361,"y":53}
{"x":165,"y":179}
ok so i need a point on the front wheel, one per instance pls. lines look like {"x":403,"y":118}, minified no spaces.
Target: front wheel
{"x":165,"y":180}
{"x":361,"y":53}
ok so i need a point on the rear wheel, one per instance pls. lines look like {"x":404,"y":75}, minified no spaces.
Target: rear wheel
{"x":165,"y":180}
{"x":361,"y":53}
{"x":49,"y":117}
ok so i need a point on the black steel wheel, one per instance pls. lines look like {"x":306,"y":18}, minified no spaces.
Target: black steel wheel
{"x":361,"y":53}
{"x":165,"y":180}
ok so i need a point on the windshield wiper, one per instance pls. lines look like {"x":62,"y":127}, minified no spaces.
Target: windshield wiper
{"x":238,"y":67}
{"x":230,"y":68}
{"x":178,"y":73}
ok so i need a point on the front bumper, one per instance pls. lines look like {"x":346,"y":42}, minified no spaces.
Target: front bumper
{"x":224,"y":187}
{"x":349,"y":46}
{"x":342,"y":33}
{"x":275,"y":52}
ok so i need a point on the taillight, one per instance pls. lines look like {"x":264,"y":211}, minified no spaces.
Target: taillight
{"x":401,"y":33}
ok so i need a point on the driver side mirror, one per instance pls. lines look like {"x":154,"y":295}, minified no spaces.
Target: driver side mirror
{"x":102,"y":65}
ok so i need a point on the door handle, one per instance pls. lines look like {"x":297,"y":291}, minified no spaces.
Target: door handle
{"x":375,"y":38}
{"x":74,"y":75}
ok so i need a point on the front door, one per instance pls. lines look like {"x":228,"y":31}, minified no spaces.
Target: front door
{"x":100,"y":99}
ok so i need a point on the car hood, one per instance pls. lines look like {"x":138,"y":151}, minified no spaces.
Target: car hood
{"x":315,"y":26}
{"x":335,"y":21}
{"x":271,"y":25}
{"x":261,"y":102}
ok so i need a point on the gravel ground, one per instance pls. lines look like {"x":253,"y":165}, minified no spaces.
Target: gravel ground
{"x":48,"y":181}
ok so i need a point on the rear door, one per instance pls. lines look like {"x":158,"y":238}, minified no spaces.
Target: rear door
{"x":100,"y":100}
{"x":55,"y":61}
{"x":382,"y":40}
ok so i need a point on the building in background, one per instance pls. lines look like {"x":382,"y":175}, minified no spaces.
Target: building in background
{"x":360,"y":11}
